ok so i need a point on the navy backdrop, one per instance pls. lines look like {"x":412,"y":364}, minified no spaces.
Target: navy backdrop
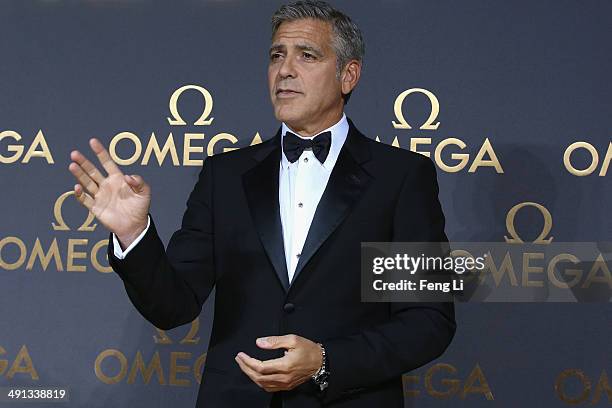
{"x":523,"y":90}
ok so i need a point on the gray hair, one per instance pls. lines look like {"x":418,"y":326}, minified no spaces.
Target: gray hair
{"x":347,"y":40}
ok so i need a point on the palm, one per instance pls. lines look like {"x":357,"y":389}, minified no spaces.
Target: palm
{"x":119,"y":202}
{"x":117,"y":206}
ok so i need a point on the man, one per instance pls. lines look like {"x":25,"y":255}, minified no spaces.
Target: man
{"x":276,"y":229}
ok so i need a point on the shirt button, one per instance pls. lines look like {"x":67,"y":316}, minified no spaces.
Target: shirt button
{"x":300,"y":205}
{"x":305,"y":159}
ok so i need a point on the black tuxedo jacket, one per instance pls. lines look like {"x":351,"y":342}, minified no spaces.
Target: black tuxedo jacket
{"x":231,"y":239}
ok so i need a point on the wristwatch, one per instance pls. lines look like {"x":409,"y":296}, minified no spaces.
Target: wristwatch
{"x":322,"y":375}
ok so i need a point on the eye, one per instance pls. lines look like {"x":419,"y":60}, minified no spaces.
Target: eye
{"x":308,"y":56}
{"x":274,"y":56}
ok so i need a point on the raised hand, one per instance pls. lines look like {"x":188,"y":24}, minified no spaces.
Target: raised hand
{"x":119,"y":201}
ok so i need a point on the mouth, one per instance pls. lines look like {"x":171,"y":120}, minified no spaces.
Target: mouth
{"x":286,"y":93}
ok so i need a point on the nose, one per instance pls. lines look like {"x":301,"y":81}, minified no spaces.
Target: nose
{"x":287,"y":68}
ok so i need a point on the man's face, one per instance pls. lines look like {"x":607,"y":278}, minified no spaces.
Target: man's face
{"x":302,"y":79}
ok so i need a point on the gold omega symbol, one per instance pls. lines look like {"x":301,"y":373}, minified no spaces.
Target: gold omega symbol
{"x":208,"y":105}
{"x":433,"y":115}
{"x":514,"y":237}
{"x":190,"y":338}
{"x":60,"y":224}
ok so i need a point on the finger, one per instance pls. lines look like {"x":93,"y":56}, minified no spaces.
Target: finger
{"x":288,"y":341}
{"x":248,"y":370}
{"x":87,"y":166}
{"x":83,"y":178}
{"x":275,"y":380}
{"x":136,"y":182}
{"x":275,"y":387}
{"x":273,"y":366}
{"x":280,"y":383}
{"x":252,"y":363}
{"x":83,"y":197}
{"x":107,"y":162}
{"x":272,"y":382}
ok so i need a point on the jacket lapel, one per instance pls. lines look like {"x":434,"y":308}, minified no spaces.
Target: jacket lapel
{"x":345,"y":186}
{"x":261,"y":187}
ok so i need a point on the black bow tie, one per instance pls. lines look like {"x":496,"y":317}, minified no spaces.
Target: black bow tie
{"x":293,"y":146}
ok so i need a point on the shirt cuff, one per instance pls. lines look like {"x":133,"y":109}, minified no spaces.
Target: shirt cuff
{"x":117,"y":247}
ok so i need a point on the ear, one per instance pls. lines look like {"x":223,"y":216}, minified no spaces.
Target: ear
{"x":350,"y":76}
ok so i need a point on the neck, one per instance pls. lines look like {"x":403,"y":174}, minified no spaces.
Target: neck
{"x":311,"y":129}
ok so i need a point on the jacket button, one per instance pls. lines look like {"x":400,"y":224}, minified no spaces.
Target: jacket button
{"x":289,"y":307}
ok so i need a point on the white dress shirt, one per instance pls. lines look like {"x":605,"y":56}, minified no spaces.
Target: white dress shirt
{"x":301,"y":185}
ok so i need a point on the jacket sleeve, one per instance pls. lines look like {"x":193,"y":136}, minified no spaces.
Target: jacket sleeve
{"x":169,"y":287}
{"x":415,"y":333}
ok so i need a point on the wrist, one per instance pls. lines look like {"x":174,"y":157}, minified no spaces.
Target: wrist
{"x":321,"y":377}
{"x":126,"y":239}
